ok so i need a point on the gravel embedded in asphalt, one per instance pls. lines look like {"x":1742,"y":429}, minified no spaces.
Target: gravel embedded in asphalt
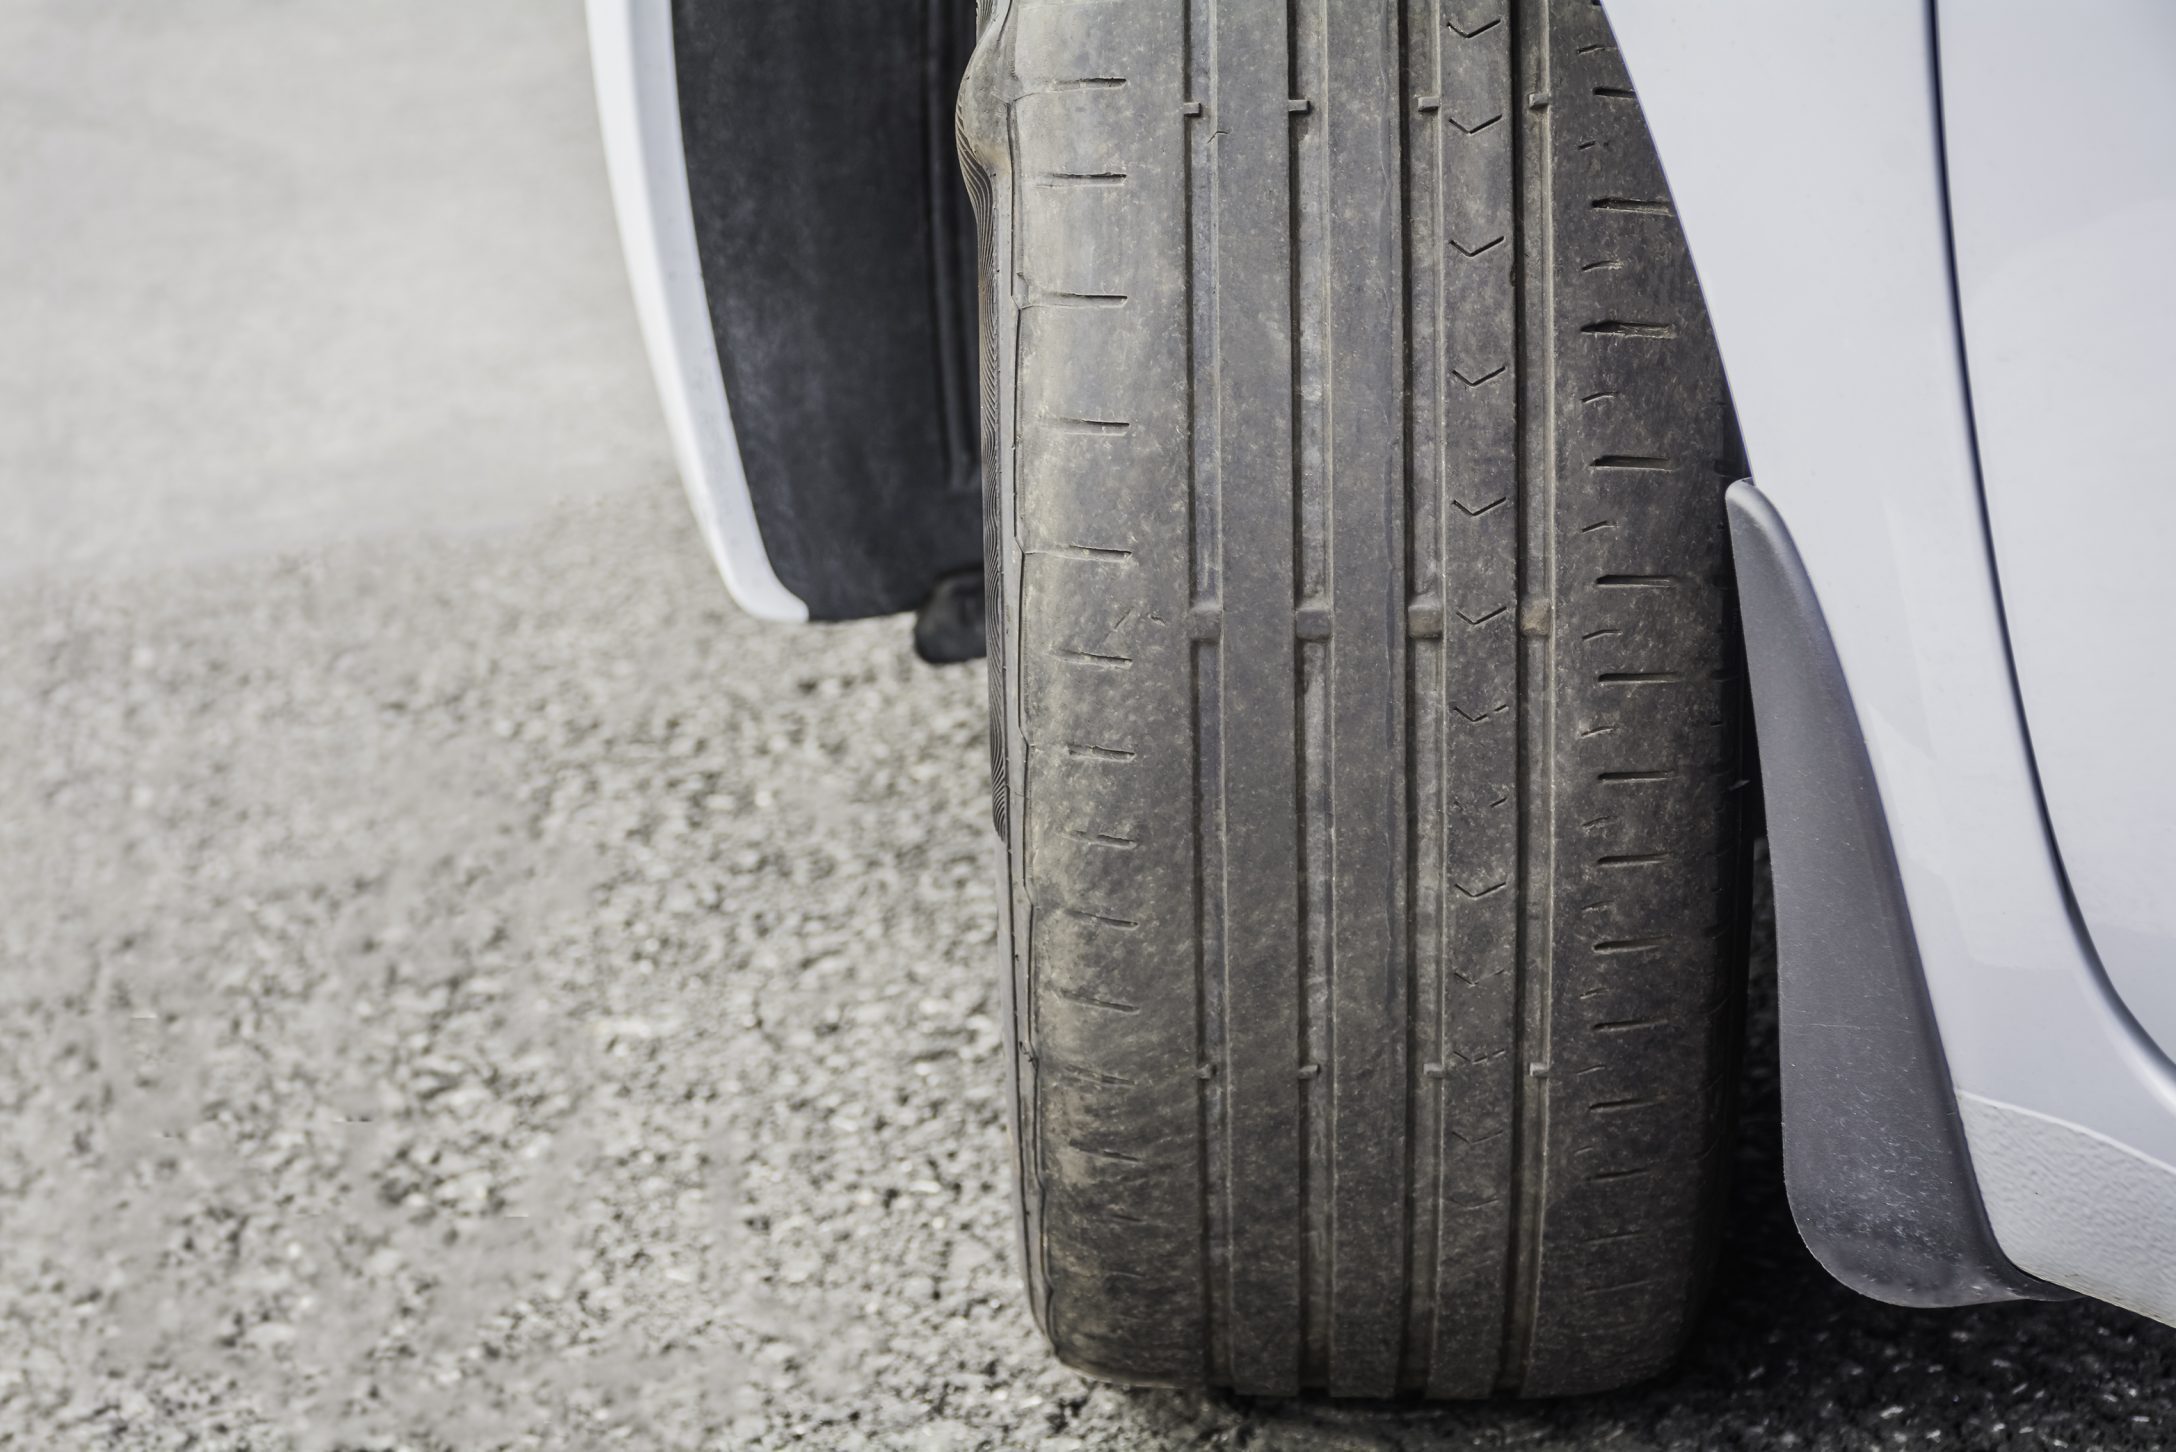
{"x":485,"y":991}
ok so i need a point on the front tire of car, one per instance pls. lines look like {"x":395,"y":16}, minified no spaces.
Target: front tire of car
{"x":1368,"y":728}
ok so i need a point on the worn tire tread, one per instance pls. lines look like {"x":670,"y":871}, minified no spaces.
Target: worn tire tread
{"x":1367,"y":731}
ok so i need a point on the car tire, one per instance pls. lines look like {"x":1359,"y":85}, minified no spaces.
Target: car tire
{"x":1368,"y":736}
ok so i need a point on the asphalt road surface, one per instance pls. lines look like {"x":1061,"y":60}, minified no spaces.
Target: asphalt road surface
{"x":476,"y":989}
{"x":272,"y":270}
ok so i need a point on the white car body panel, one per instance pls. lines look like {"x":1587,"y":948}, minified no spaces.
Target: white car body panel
{"x":1819,"y":231}
{"x":638,"y":105}
{"x":2068,"y":327}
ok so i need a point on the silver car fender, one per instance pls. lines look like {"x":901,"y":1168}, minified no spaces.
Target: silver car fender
{"x":1803,"y":146}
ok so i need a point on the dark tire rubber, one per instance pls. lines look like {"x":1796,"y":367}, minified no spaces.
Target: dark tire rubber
{"x":1368,"y":729}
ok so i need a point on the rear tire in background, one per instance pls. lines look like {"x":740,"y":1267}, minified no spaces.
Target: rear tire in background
{"x":1368,"y":730}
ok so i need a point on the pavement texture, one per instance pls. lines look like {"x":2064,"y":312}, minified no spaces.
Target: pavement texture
{"x":475,"y":989}
{"x":273,"y":271}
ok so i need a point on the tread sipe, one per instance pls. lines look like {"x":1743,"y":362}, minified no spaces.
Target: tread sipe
{"x":1367,"y":729}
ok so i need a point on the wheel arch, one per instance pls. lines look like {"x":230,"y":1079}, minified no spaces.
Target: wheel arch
{"x":798,"y":244}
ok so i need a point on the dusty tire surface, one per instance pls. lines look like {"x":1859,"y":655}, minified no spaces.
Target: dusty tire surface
{"x":1367,"y":727}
